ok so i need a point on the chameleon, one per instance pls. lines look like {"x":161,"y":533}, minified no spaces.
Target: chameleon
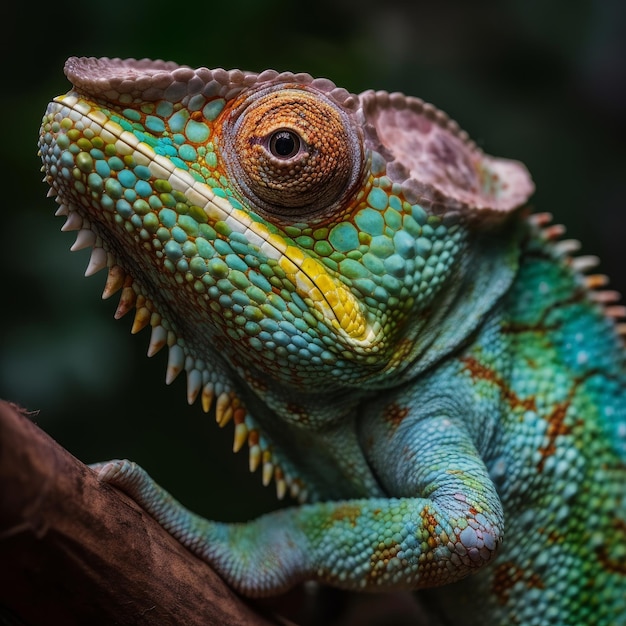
{"x":421,"y":362}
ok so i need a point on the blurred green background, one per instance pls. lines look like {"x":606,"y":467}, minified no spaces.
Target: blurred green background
{"x":544,"y":82}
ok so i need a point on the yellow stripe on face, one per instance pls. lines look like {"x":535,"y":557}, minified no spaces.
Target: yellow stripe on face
{"x":330,"y":296}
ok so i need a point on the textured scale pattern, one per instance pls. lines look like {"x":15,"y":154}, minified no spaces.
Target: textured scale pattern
{"x":425,"y":366}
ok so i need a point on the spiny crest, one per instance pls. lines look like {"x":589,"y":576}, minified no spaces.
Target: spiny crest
{"x":594,"y":284}
{"x":200,"y":383}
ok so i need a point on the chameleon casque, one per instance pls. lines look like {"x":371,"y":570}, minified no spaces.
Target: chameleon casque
{"x":423,"y":364}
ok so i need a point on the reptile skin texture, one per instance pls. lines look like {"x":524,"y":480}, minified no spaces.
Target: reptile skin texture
{"x":423,"y":365}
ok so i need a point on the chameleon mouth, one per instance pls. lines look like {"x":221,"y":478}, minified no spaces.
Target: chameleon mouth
{"x":329,"y":299}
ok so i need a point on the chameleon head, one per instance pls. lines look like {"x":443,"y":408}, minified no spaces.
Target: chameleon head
{"x":272,"y":220}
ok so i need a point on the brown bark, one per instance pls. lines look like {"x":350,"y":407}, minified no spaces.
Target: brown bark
{"x":75,"y":551}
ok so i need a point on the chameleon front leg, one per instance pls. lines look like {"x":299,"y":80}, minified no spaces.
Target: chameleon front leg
{"x":369,"y":544}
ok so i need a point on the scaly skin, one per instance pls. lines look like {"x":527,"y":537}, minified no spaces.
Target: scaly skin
{"x":362,"y":291}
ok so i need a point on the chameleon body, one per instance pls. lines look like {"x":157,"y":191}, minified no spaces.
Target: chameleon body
{"x":408,"y":352}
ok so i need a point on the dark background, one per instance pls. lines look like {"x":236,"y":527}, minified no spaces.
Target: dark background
{"x":543,"y":82}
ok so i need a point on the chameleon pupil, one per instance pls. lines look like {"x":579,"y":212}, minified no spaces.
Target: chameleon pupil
{"x":284,"y":144}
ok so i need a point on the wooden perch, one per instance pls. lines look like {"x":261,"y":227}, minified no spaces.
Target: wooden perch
{"x":75,"y":551}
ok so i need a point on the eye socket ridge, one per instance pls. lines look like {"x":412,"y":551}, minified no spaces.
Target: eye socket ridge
{"x":292,"y":152}
{"x":284,"y":144}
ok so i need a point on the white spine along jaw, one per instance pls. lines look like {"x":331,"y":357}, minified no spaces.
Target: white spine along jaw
{"x":227,"y":405}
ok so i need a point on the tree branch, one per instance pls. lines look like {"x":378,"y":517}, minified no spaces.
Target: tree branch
{"x":75,"y":551}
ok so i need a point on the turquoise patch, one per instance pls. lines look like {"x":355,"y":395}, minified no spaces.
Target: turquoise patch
{"x":188,"y":224}
{"x":124,"y":208}
{"x":187,"y":152}
{"x":419,"y":215}
{"x":235,"y":262}
{"x":155,"y":124}
{"x":223,"y":247}
{"x":198,"y":132}
{"x":205,"y":249}
{"x":344,"y":237}
{"x":143,"y":188}
{"x":167,"y":217}
{"x":395,"y":265}
{"x":164,"y":108}
{"x":373,"y":264}
{"x":179,"y":234}
{"x":404,"y":244}
{"x":382,"y":246}
{"x":130,"y":195}
{"x":132,"y":114}
{"x":95,"y":182}
{"x":393,"y":219}
{"x":378,"y":199}
{"x":102,"y":168}
{"x":179,"y":120}
{"x":127,"y":178}
{"x":395,"y":203}
{"x":424,"y":246}
{"x":116,"y":164}
{"x":143,"y":172}
{"x":212,"y":109}
{"x":370,"y":222}
{"x":352,"y":269}
{"x":173,"y":250}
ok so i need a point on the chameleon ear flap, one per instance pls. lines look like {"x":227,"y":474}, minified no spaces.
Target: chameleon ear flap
{"x":435,"y":162}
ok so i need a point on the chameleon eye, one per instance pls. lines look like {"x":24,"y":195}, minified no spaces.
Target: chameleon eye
{"x":284,"y":144}
{"x":291,"y":151}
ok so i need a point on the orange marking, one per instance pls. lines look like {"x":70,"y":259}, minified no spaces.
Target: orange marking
{"x":346,"y":512}
{"x":604,"y":552}
{"x":482,"y":372}
{"x":556,"y":427}
{"x":507,"y":575}
{"x":298,"y":412}
{"x":394,"y":413}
